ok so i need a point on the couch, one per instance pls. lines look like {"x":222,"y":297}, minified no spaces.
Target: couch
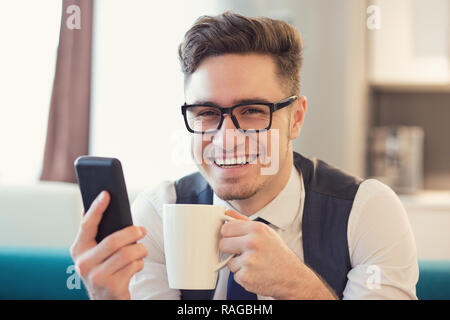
{"x":42,"y":214}
{"x":44,"y":273}
{"x":39,"y":274}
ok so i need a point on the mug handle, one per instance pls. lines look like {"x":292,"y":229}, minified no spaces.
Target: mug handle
{"x":225,"y":261}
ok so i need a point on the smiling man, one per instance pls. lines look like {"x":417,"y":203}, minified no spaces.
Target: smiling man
{"x":304,"y":229}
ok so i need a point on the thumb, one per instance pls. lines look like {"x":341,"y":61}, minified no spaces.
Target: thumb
{"x":92,"y":218}
{"x":236,"y":215}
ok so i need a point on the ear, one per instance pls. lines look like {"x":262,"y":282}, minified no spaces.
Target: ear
{"x":298,"y":111}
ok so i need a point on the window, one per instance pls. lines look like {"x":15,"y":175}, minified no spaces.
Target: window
{"x":29,"y":32}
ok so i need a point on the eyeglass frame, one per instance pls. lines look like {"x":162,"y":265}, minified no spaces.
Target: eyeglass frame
{"x":273,"y":107}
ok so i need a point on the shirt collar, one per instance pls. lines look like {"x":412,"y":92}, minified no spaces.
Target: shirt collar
{"x":283,"y":209}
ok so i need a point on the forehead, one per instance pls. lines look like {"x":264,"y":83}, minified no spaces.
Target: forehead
{"x":232,"y":77}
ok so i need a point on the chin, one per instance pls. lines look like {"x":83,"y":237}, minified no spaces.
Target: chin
{"x":232,"y":188}
{"x":233,"y":191}
{"x":233,"y":195}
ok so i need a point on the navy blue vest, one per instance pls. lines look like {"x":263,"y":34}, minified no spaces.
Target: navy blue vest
{"x":329,"y":195}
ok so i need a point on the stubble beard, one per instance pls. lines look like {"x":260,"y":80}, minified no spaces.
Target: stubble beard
{"x":236,"y":190}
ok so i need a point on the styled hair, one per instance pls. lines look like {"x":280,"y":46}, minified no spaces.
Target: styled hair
{"x":230,"y":32}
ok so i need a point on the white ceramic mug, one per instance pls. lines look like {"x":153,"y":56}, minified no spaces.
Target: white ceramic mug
{"x":191,"y":244}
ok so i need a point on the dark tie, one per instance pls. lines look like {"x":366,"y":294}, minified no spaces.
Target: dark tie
{"x":234,"y":290}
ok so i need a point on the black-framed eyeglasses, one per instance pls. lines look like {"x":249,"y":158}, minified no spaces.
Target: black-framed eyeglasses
{"x":253,"y":116}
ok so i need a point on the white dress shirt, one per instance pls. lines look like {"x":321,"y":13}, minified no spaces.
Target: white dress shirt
{"x":381,"y":244}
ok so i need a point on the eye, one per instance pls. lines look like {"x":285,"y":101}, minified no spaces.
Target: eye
{"x":207,"y":113}
{"x":201,"y":111}
{"x":254,"y":110}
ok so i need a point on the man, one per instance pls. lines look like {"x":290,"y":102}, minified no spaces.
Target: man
{"x":304,"y":229}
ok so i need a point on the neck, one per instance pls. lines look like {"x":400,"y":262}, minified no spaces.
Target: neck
{"x":269,"y":191}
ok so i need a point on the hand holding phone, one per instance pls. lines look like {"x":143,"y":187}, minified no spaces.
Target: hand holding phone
{"x":106,"y":252}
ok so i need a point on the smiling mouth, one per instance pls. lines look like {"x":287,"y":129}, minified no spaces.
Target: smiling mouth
{"x":235,"y":161}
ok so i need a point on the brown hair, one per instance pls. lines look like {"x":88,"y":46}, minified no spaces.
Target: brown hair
{"x":233,"y":33}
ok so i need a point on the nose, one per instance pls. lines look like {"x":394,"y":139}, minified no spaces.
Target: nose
{"x":227,"y":123}
{"x":224,"y":138}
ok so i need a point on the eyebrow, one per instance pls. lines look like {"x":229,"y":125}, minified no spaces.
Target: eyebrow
{"x":235,"y":102}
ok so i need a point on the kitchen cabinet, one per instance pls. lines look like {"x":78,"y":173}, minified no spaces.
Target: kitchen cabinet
{"x":412,"y":43}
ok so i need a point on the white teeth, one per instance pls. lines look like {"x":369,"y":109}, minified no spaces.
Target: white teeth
{"x":231,"y":161}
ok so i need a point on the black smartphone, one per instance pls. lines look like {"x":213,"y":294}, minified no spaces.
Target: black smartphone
{"x":96,"y":174}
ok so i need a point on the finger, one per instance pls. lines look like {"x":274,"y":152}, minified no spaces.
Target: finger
{"x":123,"y":276}
{"x":236,"y":215}
{"x":91,"y":220}
{"x":107,"y":247}
{"x":236,"y":228}
{"x":235,"y":264}
{"x":122,"y":258}
{"x":117,"y":240}
{"x":87,"y":232}
{"x":232,"y":245}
